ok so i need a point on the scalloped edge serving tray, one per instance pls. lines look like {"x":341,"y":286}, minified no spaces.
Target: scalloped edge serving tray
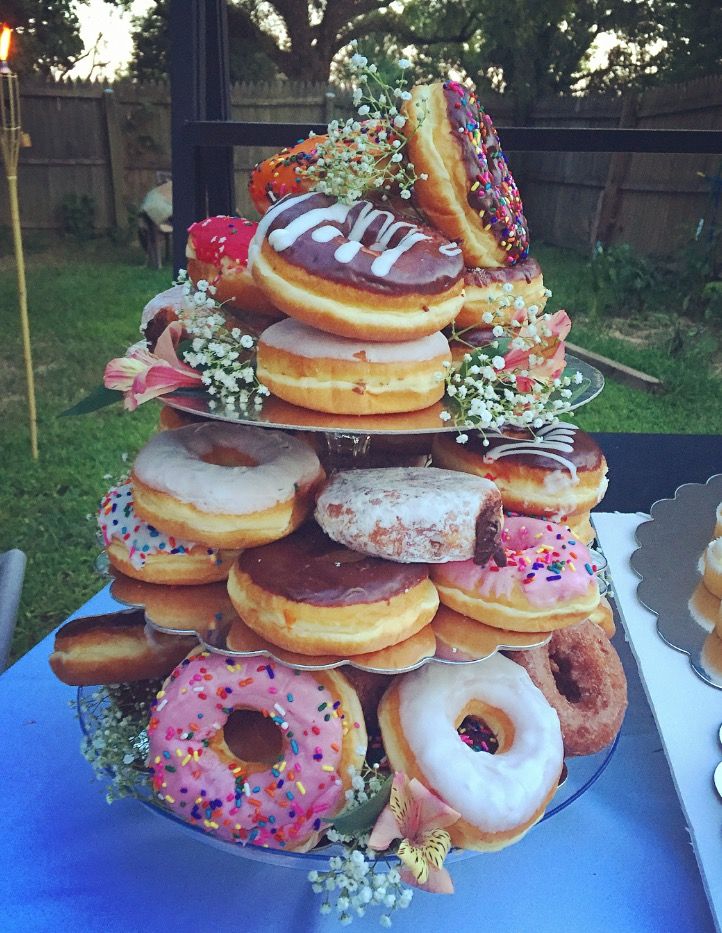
{"x":667,"y":561}
{"x":279,"y":414}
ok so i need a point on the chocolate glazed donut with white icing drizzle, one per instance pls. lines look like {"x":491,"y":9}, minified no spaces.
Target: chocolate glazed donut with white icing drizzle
{"x":356,"y":270}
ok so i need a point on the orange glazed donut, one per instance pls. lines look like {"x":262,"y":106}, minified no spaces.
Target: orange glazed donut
{"x":470,"y":194}
{"x":356,"y":270}
{"x":344,"y":376}
{"x":548,"y":582}
{"x":313,"y":596}
{"x":580,"y":674}
{"x":217,"y":251}
{"x":282,"y":174}
{"x":557,"y":471}
{"x":494,"y":291}
{"x":501,"y":795}
{"x":225,"y":485}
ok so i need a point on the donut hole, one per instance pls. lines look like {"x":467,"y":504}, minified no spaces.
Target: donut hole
{"x":228,"y":457}
{"x":484,"y":728}
{"x":563,"y":672}
{"x":252,"y":738}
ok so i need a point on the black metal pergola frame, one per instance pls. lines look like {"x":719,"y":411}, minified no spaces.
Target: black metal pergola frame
{"x":204,"y":135}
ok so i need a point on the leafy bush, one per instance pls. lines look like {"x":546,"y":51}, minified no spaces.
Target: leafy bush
{"x":623,"y":281}
{"x":77,"y":216}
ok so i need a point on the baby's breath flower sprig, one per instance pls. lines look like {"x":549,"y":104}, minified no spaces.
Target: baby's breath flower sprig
{"x":366,"y":152}
{"x":115,"y":741}
{"x":225,"y":355}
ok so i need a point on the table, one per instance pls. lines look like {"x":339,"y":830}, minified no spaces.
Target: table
{"x":618,"y":859}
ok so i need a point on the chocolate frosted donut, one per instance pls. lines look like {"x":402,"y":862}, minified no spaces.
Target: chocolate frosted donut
{"x":311,"y":595}
{"x":495,"y":291}
{"x":411,"y":514}
{"x":558,"y":472}
{"x":470,"y":194}
{"x":356,"y":270}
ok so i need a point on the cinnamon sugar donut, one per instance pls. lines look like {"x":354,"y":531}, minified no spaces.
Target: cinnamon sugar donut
{"x":580,"y":674}
{"x":225,"y":485}
{"x":345,"y":376}
{"x":412,"y":514}
{"x":217,"y":251}
{"x":548,"y":582}
{"x":469,"y":194}
{"x":494,"y":291}
{"x":557,"y":471}
{"x":499,"y":796}
{"x":356,"y":270}
{"x":313,"y":596}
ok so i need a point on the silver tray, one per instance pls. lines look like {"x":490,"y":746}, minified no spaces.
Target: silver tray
{"x":279,"y":414}
{"x":667,"y":560}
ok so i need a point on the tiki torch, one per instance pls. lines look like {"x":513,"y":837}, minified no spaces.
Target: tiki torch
{"x":10,"y":138}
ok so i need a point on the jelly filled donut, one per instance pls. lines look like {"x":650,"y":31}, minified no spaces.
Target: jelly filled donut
{"x":413,"y":514}
{"x":469,"y":194}
{"x":494,"y":292}
{"x":580,"y":674}
{"x":225,"y":485}
{"x":356,"y":270}
{"x":252,"y":751}
{"x":144,"y":552}
{"x":556,"y":471}
{"x":549,"y":580}
{"x":500,"y":795}
{"x":345,"y":376}
{"x":217,"y":251}
{"x":313,"y":596}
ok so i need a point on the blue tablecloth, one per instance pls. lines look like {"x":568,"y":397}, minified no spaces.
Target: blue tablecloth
{"x":617,"y":859}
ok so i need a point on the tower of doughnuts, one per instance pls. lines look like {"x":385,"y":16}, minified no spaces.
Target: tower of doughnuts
{"x":313,"y":607}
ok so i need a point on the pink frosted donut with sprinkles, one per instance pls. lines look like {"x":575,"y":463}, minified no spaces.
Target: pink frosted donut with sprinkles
{"x":549,"y":580}
{"x":144,"y":552}
{"x":254,"y":752}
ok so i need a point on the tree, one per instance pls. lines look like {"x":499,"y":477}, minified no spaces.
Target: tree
{"x":48,"y":35}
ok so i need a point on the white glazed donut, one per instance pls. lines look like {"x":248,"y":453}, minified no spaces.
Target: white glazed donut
{"x":499,"y":796}
{"x":344,"y":376}
{"x":413,"y":514}
{"x":225,"y":485}
{"x":713,"y":567}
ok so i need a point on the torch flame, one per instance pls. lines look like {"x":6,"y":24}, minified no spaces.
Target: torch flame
{"x":6,"y":33}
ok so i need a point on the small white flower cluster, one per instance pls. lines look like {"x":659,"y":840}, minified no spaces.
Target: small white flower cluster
{"x":115,"y":742}
{"x":366,"y":152}
{"x":484,"y":395}
{"x":225,"y":355}
{"x":359,"y":879}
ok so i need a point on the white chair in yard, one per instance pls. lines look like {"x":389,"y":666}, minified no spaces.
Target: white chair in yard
{"x":12,"y":574}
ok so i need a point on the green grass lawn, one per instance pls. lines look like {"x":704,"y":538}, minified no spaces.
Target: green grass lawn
{"x":85,"y":303}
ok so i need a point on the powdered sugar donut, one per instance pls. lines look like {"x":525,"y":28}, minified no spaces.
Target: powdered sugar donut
{"x":344,"y":376}
{"x":413,"y":514}
{"x":225,"y":485}
{"x":357,"y":270}
{"x":143,"y":552}
{"x":501,"y":795}
{"x":274,"y":788}
{"x":217,"y":251}
{"x":549,"y":580}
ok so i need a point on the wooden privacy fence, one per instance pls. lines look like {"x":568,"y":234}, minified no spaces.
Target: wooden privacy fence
{"x":110,"y":142}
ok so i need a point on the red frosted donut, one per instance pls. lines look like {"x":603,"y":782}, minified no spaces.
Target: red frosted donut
{"x":580,"y":674}
{"x":282,"y":174}
{"x":356,"y":270}
{"x":217,"y":251}
{"x":469,"y":194}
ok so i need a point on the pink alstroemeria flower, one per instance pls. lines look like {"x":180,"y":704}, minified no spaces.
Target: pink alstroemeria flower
{"x":417,"y":817}
{"x":552,"y":354}
{"x":142,"y":375}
